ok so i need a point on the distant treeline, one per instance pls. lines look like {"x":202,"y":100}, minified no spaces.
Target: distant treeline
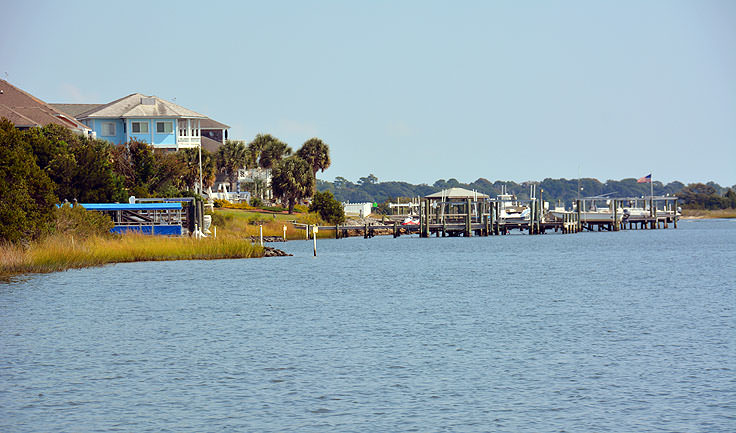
{"x":696,"y":196}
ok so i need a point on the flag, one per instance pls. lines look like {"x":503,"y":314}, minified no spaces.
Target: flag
{"x":645,"y":179}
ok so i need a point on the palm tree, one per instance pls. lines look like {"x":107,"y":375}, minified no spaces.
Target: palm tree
{"x":274,"y":152}
{"x":190,"y":159}
{"x":292,"y":180}
{"x":317,"y":154}
{"x":255,"y":147}
{"x":231,"y":157}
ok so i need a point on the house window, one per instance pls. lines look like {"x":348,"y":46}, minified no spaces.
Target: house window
{"x":139,"y":127}
{"x":164,"y":127}
{"x":182,"y":128}
{"x":108,"y":129}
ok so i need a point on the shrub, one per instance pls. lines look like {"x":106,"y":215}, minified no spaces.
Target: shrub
{"x":301,"y":208}
{"x":327,"y":207}
{"x":221,"y":202}
{"x":256,"y":202}
{"x":78,"y":222}
{"x":220,"y":219}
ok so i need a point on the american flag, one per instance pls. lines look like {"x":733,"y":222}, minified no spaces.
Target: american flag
{"x":645,"y":179}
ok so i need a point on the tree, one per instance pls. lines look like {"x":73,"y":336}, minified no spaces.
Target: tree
{"x":292,"y":180}
{"x":231,"y":157}
{"x":327,"y":207}
{"x":82,"y":168}
{"x":371,"y":179}
{"x":256,"y":147}
{"x":274,"y":152}
{"x":27,"y":205}
{"x":190,"y":160}
{"x":316,"y":153}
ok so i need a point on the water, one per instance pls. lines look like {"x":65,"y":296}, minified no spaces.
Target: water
{"x":628,"y":331}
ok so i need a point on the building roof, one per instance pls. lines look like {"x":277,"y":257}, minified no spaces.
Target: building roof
{"x":75,"y":110}
{"x":212,"y":124}
{"x":129,"y":206}
{"x":139,"y":105}
{"x":457,"y":193}
{"x":26,"y":111}
{"x":209,"y":144}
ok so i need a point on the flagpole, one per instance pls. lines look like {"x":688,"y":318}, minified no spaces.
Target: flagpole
{"x":651,"y":185}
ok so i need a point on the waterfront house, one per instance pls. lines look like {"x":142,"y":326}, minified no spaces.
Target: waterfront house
{"x":161,"y":123}
{"x":26,"y":111}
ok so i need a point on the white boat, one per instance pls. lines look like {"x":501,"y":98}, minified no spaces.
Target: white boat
{"x":511,"y":210}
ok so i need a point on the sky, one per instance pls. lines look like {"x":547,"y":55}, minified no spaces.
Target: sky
{"x":414,"y":91}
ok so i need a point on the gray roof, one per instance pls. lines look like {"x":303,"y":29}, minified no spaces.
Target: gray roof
{"x":138,"y":105}
{"x":75,"y":109}
{"x":456,"y":193}
{"x":210,"y":145}
{"x":212,"y":124}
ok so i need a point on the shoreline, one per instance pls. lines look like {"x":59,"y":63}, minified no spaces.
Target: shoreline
{"x":699,"y":214}
{"x":63,"y":253}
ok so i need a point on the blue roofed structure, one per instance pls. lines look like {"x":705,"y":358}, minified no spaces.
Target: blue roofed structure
{"x":147,"y":218}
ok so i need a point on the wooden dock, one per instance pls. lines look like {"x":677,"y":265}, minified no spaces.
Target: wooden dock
{"x":484,"y":217}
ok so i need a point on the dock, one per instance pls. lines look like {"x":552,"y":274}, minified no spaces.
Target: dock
{"x":459,"y":212}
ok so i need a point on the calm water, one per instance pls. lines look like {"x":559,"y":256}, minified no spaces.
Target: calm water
{"x":629,"y":331}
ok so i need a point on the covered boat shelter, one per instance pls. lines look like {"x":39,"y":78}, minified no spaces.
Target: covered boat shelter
{"x":453,"y":205}
{"x":146,"y":218}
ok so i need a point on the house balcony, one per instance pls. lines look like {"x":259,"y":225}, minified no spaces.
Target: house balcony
{"x":184,"y":142}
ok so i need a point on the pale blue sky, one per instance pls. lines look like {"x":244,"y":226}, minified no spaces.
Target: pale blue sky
{"x":415,"y":91}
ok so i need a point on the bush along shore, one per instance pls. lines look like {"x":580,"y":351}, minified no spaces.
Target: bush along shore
{"x":62,"y":252}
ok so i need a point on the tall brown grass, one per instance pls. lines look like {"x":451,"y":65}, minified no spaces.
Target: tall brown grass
{"x":703,"y":213}
{"x":58,"y":253}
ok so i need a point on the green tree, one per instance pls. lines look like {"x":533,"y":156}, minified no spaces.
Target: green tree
{"x":27,"y":205}
{"x":82,"y":168}
{"x":371,"y":179}
{"x":731,"y":198}
{"x":231,"y":157}
{"x":274,"y":152}
{"x":316,"y":153}
{"x":292,"y":180}
{"x":190,"y":161}
{"x":256,"y":147}
{"x":327,"y":207}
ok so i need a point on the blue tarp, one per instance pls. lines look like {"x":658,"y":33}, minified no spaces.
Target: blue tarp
{"x":128,"y":206}
{"x":146,"y":230}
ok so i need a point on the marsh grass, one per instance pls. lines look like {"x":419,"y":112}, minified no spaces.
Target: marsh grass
{"x":59,"y":253}
{"x":247,"y":224}
{"x":703,"y":213}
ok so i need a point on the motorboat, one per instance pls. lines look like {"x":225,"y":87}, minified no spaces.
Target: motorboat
{"x":410,"y":221}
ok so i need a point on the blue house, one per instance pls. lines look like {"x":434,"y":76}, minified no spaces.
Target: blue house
{"x":150,"y":119}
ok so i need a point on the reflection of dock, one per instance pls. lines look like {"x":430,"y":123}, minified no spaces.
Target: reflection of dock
{"x":472,"y":214}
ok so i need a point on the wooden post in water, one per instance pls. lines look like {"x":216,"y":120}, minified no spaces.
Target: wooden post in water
{"x":614,"y":226}
{"x":421,"y":220}
{"x":314,"y":235}
{"x":531,"y":217}
{"x":541,"y":210}
{"x":337,"y":231}
{"x":497,"y":218}
{"x":396,"y":230}
{"x":674,"y":214}
{"x":468,"y":216}
{"x":428,"y":214}
{"x":579,"y":220}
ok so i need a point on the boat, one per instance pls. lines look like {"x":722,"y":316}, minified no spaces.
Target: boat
{"x":410,"y":221}
{"x":511,"y":210}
